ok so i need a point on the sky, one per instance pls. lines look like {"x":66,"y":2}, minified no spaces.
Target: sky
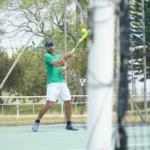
{"x":18,"y":41}
{"x":11,"y":44}
{"x":139,"y":87}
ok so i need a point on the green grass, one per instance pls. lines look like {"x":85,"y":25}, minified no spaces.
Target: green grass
{"x":28,"y":113}
{"x":28,"y":119}
{"x":130,"y":117}
{"x":28,"y":109}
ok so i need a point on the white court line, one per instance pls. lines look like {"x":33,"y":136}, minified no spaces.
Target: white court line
{"x":31,"y":133}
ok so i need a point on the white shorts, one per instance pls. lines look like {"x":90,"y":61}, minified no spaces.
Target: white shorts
{"x":57,"y":91}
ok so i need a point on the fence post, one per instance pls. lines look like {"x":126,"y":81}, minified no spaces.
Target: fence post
{"x":76,"y":107}
{"x":2,"y":109}
{"x":17,"y":106}
{"x":33,"y":108}
{"x":62,"y":108}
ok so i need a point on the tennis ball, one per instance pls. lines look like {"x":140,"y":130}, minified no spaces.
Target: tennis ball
{"x":83,"y":30}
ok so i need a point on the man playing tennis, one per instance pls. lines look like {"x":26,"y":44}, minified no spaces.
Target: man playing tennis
{"x":56,"y":86}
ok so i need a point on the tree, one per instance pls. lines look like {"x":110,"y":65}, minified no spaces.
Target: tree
{"x":1,"y":20}
{"x":147,"y":21}
{"x":28,"y":77}
{"x":29,"y":13}
{"x":77,"y":72}
{"x":5,"y":63}
{"x":136,"y":36}
{"x":31,"y":80}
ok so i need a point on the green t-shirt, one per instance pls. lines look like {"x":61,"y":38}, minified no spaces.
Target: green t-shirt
{"x":53,"y":73}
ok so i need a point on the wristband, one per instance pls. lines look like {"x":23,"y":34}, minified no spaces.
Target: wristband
{"x":63,"y":60}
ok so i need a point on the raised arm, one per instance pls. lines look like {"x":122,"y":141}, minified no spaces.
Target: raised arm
{"x":62,"y":60}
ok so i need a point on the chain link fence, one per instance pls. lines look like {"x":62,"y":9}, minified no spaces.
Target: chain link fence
{"x":24,"y":109}
{"x":29,"y":76}
{"x":28,"y":81}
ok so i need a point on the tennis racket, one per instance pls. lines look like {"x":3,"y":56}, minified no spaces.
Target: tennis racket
{"x":85,"y":34}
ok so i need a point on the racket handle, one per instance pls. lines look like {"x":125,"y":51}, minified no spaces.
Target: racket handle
{"x":73,"y":50}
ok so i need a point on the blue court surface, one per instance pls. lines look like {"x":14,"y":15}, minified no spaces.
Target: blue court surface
{"x":56,"y":137}
{"x":52,"y":137}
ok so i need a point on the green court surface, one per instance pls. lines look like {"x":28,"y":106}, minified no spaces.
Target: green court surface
{"x":55,"y":137}
{"x":138,"y":137}
{"x":49,"y":137}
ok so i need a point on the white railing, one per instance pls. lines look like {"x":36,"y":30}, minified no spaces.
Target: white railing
{"x":15,"y":103}
{"x":27,"y":101}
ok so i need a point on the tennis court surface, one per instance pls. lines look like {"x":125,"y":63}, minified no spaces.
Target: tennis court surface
{"x":55,"y":137}
{"x":52,"y":137}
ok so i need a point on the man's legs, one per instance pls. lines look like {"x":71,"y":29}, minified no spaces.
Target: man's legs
{"x":43,"y":110}
{"x":68,"y":111}
{"x":66,"y":97}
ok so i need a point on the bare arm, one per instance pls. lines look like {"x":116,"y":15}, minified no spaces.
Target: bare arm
{"x":61,"y":61}
{"x":58,"y":62}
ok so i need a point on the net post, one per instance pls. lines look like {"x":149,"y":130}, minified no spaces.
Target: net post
{"x":100,"y":74}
